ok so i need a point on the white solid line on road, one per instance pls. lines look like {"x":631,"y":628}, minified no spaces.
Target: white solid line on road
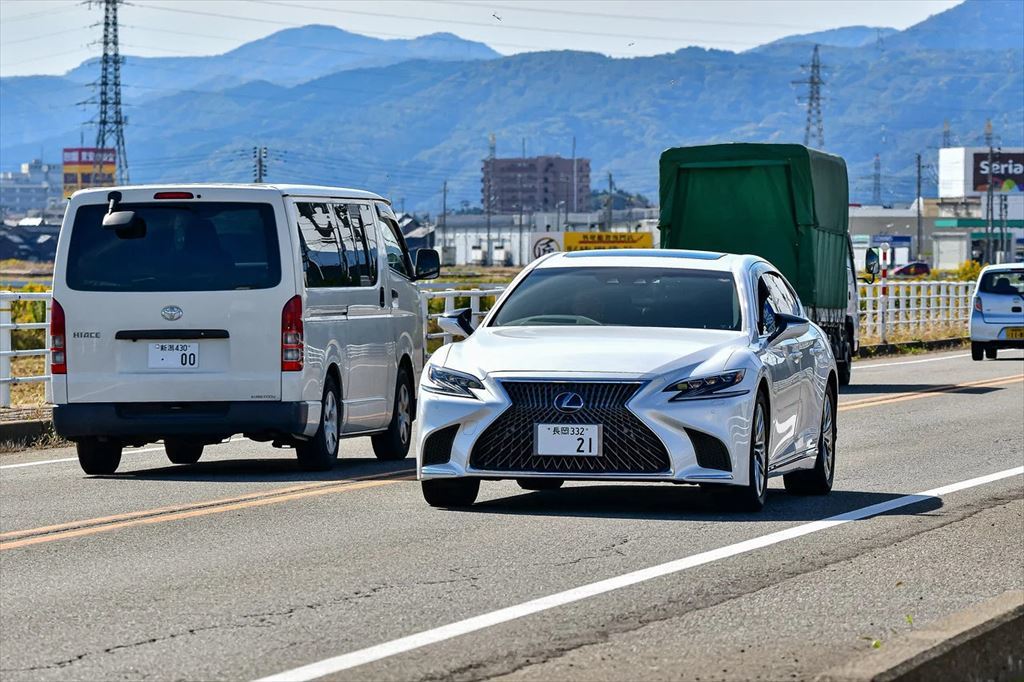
{"x":75,"y":459}
{"x":378,"y":652}
{"x":912,"y":362}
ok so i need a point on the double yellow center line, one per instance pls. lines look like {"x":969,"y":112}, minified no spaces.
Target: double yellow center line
{"x":103,"y":524}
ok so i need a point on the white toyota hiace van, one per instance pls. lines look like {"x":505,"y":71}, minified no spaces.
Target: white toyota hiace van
{"x":190,"y":313}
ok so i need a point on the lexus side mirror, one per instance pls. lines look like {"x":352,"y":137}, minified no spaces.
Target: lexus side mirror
{"x":871,"y":264}
{"x":456,"y":322}
{"x":788,"y":327}
{"x":428,"y":264}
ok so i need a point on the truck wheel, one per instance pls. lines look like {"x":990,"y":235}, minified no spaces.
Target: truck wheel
{"x":393,"y":444}
{"x":182,"y":451}
{"x":320,"y":452}
{"x":977,"y":351}
{"x":98,"y":458}
{"x":844,"y":367}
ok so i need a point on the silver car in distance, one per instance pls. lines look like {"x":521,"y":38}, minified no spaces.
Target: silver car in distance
{"x":633,"y":365}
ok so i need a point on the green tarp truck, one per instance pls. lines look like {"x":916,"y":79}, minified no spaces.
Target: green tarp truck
{"x":783,"y":202}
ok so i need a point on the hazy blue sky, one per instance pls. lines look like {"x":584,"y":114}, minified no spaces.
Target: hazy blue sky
{"x":51,"y":36}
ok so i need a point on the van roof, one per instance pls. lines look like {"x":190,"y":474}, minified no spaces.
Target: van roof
{"x":283,"y":189}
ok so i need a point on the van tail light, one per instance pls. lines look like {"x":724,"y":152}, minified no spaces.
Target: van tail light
{"x":58,"y":340}
{"x":291,"y":335}
{"x":977,"y":303}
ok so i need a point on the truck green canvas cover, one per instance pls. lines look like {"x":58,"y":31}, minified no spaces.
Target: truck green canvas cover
{"x":783,"y":202}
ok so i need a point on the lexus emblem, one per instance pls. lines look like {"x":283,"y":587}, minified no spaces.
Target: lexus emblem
{"x":568,"y":402}
{"x":171,"y":313}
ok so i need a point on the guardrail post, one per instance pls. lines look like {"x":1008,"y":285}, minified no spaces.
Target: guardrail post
{"x":449,"y":305}
{"x":5,"y":346}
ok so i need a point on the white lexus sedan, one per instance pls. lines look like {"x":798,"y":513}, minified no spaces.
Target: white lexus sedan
{"x":633,"y":365}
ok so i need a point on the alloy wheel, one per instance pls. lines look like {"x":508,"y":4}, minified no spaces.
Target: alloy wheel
{"x":330,"y":421}
{"x":760,"y":452}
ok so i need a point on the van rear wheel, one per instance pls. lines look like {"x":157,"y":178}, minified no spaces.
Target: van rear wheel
{"x":394,"y":443}
{"x":183,"y":451}
{"x":97,"y":457}
{"x":320,"y":452}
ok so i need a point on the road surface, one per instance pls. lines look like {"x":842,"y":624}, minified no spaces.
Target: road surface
{"x":242,"y":567}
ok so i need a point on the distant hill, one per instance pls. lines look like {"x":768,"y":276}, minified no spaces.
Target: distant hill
{"x":973,"y":25}
{"x":404,"y":128}
{"x":848,"y":36}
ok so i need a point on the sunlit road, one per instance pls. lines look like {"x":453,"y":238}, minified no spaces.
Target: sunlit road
{"x":242,"y":566}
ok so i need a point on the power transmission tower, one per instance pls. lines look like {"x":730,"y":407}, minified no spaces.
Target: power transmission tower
{"x":611,"y":188}
{"x":876,"y":182}
{"x":947,"y":135}
{"x":815,"y":126}
{"x":920,"y":223}
{"x":259,"y":164}
{"x":111,"y":121}
{"x":492,"y":145}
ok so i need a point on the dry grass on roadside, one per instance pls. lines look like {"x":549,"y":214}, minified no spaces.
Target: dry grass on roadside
{"x":28,"y":395}
{"x":908,"y":334}
{"x":46,"y":441}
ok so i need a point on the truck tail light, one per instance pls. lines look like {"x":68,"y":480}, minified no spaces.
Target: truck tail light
{"x":291,"y":335}
{"x":977,"y":303}
{"x":58,"y":340}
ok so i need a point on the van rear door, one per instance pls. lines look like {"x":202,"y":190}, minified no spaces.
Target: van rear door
{"x":184,"y":304}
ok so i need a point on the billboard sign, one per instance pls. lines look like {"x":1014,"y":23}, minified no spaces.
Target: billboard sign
{"x":542,"y":243}
{"x":1007,"y":169}
{"x":88,"y":167}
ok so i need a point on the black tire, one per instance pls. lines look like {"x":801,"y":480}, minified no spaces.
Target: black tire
{"x":818,"y":481}
{"x":320,"y":452}
{"x":977,"y":351}
{"x":394,"y":443}
{"x":182,"y":451}
{"x":540,"y":483}
{"x":98,"y":458}
{"x":752,"y":496}
{"x":451,"y":492}
{"x":991,"y":353}
{"x":845,"y":367}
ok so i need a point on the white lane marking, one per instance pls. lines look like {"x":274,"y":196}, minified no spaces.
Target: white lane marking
{"x":75,"y":459}
{"x":353,"y":659}
{"x":912,"y":362}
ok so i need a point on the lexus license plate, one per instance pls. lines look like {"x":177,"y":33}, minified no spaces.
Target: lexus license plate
{"x":568,"y":440}
{"x":173,"y":355}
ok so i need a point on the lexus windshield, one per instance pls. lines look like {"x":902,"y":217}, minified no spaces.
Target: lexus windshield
{"x":623,"y":297}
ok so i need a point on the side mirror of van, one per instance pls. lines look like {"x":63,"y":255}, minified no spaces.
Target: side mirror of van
{"x":428,"y":264}
{"x":871,"y":264}
{"x":456,"y":322}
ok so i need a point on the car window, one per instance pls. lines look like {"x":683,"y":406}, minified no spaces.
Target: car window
{"x":321,"y":250}
{"x":782,"y":297}
{"x":623,"y":296}
{"x":1007,"y":282}
{"x":359,"y":257}
{"x":194,"y":246}
{"x":394,"y":250}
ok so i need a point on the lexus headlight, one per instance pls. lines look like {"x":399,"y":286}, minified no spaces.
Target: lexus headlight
{"x":450,"y":382}
{"x":715,"y":386}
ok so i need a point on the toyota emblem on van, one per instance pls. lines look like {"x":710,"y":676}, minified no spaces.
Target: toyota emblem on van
{"x":171,"y":313}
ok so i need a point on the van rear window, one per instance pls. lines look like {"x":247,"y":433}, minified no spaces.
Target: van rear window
{"x":200,"y":246}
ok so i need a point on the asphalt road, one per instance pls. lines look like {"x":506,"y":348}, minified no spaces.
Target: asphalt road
{"x":242,"y":566}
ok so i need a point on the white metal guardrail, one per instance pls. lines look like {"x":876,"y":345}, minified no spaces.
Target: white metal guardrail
{"x":904,"y":306}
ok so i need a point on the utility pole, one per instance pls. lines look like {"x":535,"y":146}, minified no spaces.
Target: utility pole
{"x":259,"y":164}
{"x":1004,"y":243}
{"x":611,"y":186}
{"x":920,"y":225}
{"x":814,"y":126}
{"x":876,"y":182}
{"x":111,"y":121}
{"x":488,"y":185}
{"x":989,"y":195}
{"x":575,"y":198}
{"x":443,"y":223}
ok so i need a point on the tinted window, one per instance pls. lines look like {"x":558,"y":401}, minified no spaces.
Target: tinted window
{"x":397,"y":258}
{"x":320,"y":247}
{"x":199,"y":246}
{"x":635,"y":297}
{"x":359,"y":248}
{"x":782,"y":296}
{"x":1006,"y":282}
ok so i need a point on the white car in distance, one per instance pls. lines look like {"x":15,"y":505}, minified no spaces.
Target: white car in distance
{"x":630,"y":365}
{"x":997,"y":316}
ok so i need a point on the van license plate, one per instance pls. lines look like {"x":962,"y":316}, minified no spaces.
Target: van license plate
{"x":1017,"y":333}
{"x":568,"y":440}
{"x":173,"y":355}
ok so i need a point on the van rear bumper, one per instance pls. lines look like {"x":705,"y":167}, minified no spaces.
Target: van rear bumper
{"x":208,"y":420}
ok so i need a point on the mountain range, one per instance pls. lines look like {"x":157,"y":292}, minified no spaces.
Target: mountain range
{"x":401,"y":117}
